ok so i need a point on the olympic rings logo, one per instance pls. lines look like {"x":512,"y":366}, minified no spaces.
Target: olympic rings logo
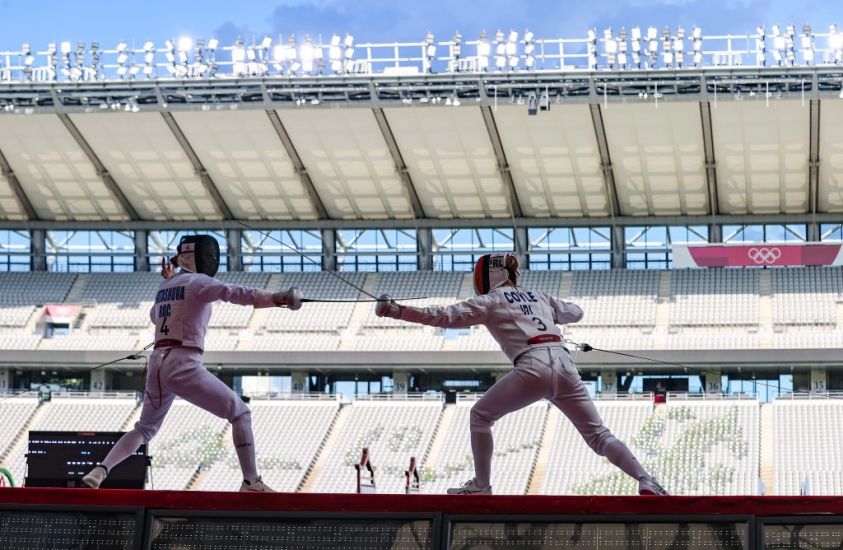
{"x":764,"y":255}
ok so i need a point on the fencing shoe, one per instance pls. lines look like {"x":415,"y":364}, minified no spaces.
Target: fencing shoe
{"x":470,"y":488}
{"x":647,"y":486}
{"x":257,"y":486}
{"x":95,"y":477}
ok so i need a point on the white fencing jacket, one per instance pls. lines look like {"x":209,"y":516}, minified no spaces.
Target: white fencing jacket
{"x":182,"y":307}
{"x":517,"y":318}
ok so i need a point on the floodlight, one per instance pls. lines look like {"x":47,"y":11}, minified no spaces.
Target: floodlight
{"x":278,"y":53}
{"x":696,"y":33}
{"x":148,"y":46}
{"x":348,"y":42}
{"x":121,"y":46}
{"x":483,"y":46}
{"x":65,"y":47}
{"x":213,"y":43}
{"x":266,"y":42}
{"x":238,"y":54}
{"x":456,"y":48}
{"x":528,"y":36}
{"x":636,"y":33}
{"x":185,"y":44}
{"x":169,"y":44}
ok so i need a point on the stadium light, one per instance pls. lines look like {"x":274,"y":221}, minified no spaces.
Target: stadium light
{"x":335,"y":54}
{"x":78,"y":71}
{"x":291,"y":55}
{"x":428,"y":52}
{"x":679,"y":46}
{"x":592,"y":49}
{"x":835,"y":41}
{"x":28,"y":60}
{"x":806,"y":44}
{"x":622,"y":60}
{"x":238,"y":58}
{"x":652,"y":45}
{"x":667,"y":47}
{"x":500,"y":51}
{"x":185,"y":44}
{"x":696,"y":36}
{"x":512,"y":50}
{"x":760,"y":46}
{"x":610,"y":45}
{"x":122,"y":58}
{"x":529,"y":48}
{"x":456,"y":52}
{"x":307,"y":54}
{"x":790,"y":44}
{"x":348,"y":42}
{"x":636,"y":46}
{"x":484,"y":49}
{"x":779,"y":44}
{"x":52,"y":61}
{"x":148,"y":58}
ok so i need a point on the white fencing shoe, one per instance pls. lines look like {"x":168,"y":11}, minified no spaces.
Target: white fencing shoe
{"x":470,"y":488}
{"x":257,"y":486}
{"x":95,"y":477}
{"x":647,"y":486}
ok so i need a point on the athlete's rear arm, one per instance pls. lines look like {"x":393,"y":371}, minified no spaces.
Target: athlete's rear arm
{"x":564,"y":312}
{"x":460,"y":315}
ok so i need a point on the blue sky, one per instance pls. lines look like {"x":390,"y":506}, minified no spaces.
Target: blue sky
{"x":372,"y":20}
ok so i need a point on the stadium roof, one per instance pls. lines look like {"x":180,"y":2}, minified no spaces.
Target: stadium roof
{"x":692,"y":144}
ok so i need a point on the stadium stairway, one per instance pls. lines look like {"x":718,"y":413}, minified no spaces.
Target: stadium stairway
{"x":438,"y":437}
{"x":550,"y":430}
{"x":660,"y":331}
{"x":765,"y":309}
{"x":766,"y":435}
{"x":21,"y":439}
{"x":324,"y":450}
{"x":74,"y":295}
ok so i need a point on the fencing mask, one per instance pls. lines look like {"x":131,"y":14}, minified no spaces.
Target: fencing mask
{"x":491,"y":271}
{"x":198,"y":254}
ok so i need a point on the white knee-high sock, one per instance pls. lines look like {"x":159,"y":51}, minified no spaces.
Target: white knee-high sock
{"x":124,"y":447}
{"x":244,"y":445}
{"x":619,"y":454}
{"x":482,"y":447}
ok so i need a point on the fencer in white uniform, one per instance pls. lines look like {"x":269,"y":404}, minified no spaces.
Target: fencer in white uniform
{"x":524,"y":323}
{"x":180,"y":314}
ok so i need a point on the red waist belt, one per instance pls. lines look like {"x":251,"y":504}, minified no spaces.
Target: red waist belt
{"x":167,"y":343}
{"x":544,"y":339}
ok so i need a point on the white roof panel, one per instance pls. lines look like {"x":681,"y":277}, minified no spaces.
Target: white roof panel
{"x":147,"y":162}
{"x":451,"y":161}
{"x":830,"y":192}
{"x":54,"y":172}
{"x":658,"y":159}
{"x":761,"y":154}
{"x":247,"y":162}
{"x":348,"y":160}
{"x":10,"y":208}
{"x":554,"y":160}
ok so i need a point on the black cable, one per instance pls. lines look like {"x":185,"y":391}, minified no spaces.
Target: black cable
{"x":585,"y":348}
{"x":132,"y":357}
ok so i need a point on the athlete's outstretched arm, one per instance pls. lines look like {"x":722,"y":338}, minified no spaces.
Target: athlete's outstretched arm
{"x":212,"y":290}
{"x":463,"y":314}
